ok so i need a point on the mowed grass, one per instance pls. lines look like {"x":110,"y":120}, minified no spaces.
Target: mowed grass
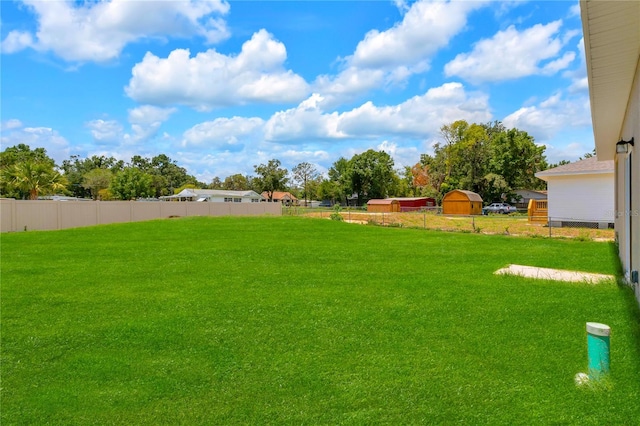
{"x":288,"y":320}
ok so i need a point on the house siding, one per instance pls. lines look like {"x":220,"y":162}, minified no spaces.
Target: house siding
{"x":627,"y":207}
{"x":569,"y":202}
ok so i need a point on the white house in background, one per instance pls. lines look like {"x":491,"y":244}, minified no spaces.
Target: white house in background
{"x":580,"y":193}
{"x":612,"y":50}
{"x":522,"y":197}
{"x":215,"y":196}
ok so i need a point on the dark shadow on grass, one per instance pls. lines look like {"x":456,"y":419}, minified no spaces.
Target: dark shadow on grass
{"x":634,"y":314}
{"x":633,"y":305}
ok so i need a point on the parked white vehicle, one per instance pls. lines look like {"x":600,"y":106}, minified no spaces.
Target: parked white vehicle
{"x":503,"y":208}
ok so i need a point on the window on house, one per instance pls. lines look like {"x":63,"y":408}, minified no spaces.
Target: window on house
{"x":237,"y":200}
{"x":228,"y":199}
{"x":255,"y":200}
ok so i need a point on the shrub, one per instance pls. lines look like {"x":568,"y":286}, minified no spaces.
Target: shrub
{"x":336,"y":213}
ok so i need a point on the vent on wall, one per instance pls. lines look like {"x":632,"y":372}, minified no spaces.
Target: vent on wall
{"x":571,"y":224}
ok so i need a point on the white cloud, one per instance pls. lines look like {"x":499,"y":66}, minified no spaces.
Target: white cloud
{"x":145,"y":122}
{"x":511,"y":54}
{"x":417,"y":117}
{"x":402,"y":5}
{"x":105,"y":131}
{"x":16,"y":41}
{"x":306,"y":121}
{"x":389,"y":57}
{"x":551,"y":116}
{"x":149,"y":114}
{"x":574,"y":10}
{"x":308,"y":133}
{"x":211,"y":79}
{"x":57,"y":146}
{"x":10,"y":124}
{"x":568,"y":149}
{"x":224,"y":133}
{"x":426,"y":27}
{"x":348,"y":84}
{"x":99,"y":30}
{"x":402,"y":155}
{"x":578,"y":76}
{"x":579,"y":85}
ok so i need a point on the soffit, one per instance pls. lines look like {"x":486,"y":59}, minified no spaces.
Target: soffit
{"x":612,"y":49}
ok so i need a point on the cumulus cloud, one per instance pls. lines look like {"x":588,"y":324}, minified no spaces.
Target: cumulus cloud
{"x":402,"y":155}
{"x":145,"y":122}
{"x":227,"y":134}
{"x":390,"y":57}
{"x":565,"y":147}
{"x":551,"y":116}
{"x":578,"y":75}
{"x":57,"y":146}
{"x":306,"y":121}
{"x":105,"y":131}
{"x":10,"y":124}
{"x":99,"y":30}
{"x":511,"y":54}
{"x":16,"y":41}
{"x":425,"y":28}
{"x":574,"y":10}
{"x":418,"y":117}
{"x":211,"y":79}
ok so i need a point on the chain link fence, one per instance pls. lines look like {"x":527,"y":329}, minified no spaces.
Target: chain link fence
{"x":517,"y":224}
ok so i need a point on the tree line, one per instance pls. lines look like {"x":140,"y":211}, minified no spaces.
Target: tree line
{"x":488,"y":159}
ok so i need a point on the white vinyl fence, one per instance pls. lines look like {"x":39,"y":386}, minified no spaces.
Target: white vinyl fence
{"x":29,"y":215}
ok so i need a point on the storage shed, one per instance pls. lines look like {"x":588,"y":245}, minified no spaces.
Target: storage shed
{"x":460,"y":201}
{"x":410,"y":204}
{"x":388,"y":205}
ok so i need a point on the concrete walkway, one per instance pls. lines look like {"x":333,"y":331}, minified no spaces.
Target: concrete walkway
{"x":553,"y":274}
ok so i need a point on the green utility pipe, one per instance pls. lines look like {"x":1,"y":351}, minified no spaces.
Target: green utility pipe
{"x":598,"y":348}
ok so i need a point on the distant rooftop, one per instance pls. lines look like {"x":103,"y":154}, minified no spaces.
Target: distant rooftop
{"x":588,"y":166}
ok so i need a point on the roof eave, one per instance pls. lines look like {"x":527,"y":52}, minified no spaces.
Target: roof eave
{"x":611,"y":66}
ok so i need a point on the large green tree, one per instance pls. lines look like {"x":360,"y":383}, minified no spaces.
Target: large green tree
{"x":270,"y":177}
{"x":485,"y":158}
{"x":371,"y":175}
{"x":32,"y":179}
{"x":131,"y":183}
{"x":165,"y":174}
{"x":236,"y":182}
{"x":28,"y":174}
{"x":303,"y":174}
{"x":76,"y":168}
{"x":339,"y":188}
{"x":97,"y":180}
{"x":216,"y":183}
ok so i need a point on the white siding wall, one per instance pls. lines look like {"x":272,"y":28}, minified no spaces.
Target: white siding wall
{"x":628,"y":222}
{"x":584,"y":198}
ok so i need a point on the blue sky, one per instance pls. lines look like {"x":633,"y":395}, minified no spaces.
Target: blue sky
{"x":222,"y":86}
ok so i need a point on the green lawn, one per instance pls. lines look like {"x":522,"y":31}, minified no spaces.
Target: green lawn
{"x":287,"y":320}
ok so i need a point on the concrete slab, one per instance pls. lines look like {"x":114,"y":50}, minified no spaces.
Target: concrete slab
{"x":553,"y":274}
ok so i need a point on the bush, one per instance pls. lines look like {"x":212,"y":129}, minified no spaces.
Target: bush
{"x":336,"y":213}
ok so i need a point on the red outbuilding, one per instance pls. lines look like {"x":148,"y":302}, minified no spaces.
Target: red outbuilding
{"x":410,"y":204}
